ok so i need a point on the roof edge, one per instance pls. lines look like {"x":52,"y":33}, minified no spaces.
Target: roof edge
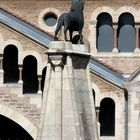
{"x":106,"y":72}
{"x":106,"y":65}
{"x":23,"y":19}
{"x":133,"y":75}
{"x":122,"y":87}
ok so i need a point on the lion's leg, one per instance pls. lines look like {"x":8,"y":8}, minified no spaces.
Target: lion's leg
{"x":57,"y":29}
{"x":81,"y":37}
{"x":65,"y":33}
{"x":70,"y":35}
{"x":56,"y":32}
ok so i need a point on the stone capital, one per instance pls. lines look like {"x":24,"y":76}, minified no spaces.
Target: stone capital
{"x":1,"y":56}
{"x":97,"y":108}
{"x":137,"y":27}
{"x":115,"y":26}
{"x":57,"y":60}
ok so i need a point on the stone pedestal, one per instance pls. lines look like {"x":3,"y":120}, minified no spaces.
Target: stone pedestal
{"x":68,"y":111}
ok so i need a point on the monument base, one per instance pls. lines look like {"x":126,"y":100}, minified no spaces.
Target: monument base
{"x":68,"y":111}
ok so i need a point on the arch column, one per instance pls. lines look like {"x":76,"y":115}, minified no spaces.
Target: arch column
{"x":1,"y":62}
{"x":39,"y":84}
{"x":97,"y":115}
{"x":93,"y":37}
{"x":115,"y":48}
{"x":137,"y":39}
{"x":1,"y":69}
{"x":20,"y":74}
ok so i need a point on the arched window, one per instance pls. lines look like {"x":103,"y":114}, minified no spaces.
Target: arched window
{"x":50,"y":19}
{"x":10,"y":130}
{"x":30,"y":79}
{"x":10,"y":64}
{"x":126,"y":33}
{"x":107,"y":117}
{"x":104,"y":33}
{"x":43,"y":78}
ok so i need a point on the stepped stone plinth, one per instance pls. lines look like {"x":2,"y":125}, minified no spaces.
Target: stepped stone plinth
{"x":68,"y":111}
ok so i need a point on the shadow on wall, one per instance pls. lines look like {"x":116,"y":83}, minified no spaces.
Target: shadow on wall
{"x":80,"y":62}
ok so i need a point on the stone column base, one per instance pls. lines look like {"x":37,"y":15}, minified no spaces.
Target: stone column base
{"x":115,"y":50}
{"x":137,"y":50}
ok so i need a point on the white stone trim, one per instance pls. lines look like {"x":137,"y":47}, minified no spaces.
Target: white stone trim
{"x":41,"y":21}
{"x":44,"y":64}
{"x":38,"y":58}
{"x":19,"y":119}
{"x":100,"y":10}
{"x":16,"y":43}
{"x":127,"y":9}
{"x":1,"y":43}
{"x":97,"y":91}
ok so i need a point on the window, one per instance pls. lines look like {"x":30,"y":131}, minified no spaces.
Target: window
{"x":50,"y":19}
{"x":10,"y":64}
{"x":30,"y":79}
{"x":107,"y":117}
{"x":104,"y":33}
{"x":126,"y":33}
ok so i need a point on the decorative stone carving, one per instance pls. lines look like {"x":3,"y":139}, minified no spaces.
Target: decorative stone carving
{"x":57,"y":60}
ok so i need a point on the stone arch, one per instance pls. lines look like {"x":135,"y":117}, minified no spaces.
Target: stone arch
{"x":10,"y":64}
{"x":99,"y":10}
{"x":29,"y":74}
{"x":97,"y":92}
{"x":44,"y":64}
{"x":92,"y":25}
{"x":104,"y":32}
{"x":107,"y":117}
{"x":37,"y":56}
{"x":111,"y":95}
{"x":41,"y":21}
{"x":15,"y":43}
{"x":19,"y":119}
{"x":125,"y":9}
{"x":126,"y":31}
